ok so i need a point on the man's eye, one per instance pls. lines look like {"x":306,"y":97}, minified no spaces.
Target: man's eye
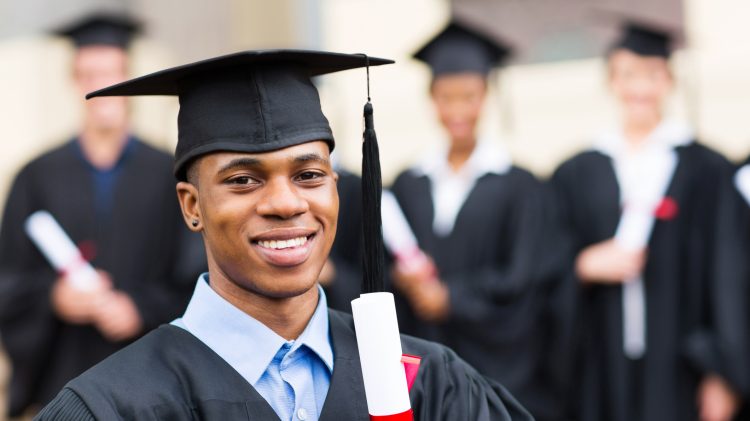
{"x":309,"y":175}
{"x":240,"y":180}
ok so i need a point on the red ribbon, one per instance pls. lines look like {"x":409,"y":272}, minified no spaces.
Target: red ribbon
{"x":667,"y":209}
{"x":411,"y":367}
{"x":403,"y":416}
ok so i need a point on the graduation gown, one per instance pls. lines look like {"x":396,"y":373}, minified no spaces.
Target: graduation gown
{"x":689,"y":280}
{"x":139,"y":238}
{"x":170,"y":375}
{"x":346,"y":252}
{"x":499,"y":275}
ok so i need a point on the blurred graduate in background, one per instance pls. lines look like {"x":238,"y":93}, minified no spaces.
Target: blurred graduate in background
{"x":662,"y":329}
{"x":114,"y":196}
{"x":480,"y":222}
{"x":341,"y":276}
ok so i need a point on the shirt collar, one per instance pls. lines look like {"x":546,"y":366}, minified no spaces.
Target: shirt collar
{"x":242,"y":341}
{"x":487,"y":158}
{"x":669,"y":133}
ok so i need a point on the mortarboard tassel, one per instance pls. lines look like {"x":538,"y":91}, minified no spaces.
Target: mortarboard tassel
{"x":371,"y":218}
{"x":374,"y":312}
{"x":372,"y":188}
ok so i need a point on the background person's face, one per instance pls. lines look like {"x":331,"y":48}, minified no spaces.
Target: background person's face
{"x":458,"y":101}
{"x":96,"y":67}
{"x":269,"y":219}
{"x":640,"y":85}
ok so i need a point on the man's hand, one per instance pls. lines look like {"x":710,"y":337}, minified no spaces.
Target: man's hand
{"x":78,"y":306}
{"x":716,"y":400}
{"x":118,"y":318}
{"x":607,"y":262}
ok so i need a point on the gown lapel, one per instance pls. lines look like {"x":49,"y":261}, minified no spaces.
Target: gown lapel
{"x":346,"y":394}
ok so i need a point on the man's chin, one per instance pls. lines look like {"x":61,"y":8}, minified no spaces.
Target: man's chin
{"x":288,"y":290}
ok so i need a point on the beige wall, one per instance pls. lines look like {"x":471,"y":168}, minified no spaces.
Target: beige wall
{"x":544,"y":112}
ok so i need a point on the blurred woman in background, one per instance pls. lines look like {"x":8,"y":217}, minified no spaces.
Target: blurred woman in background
{"x":659,"y":328}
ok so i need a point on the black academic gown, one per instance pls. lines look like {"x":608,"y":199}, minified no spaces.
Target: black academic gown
{"x":141,"y":242}
{"x":738,"y":297}
{"x":346,"y":252}
{"x":498,"y":266}
{"x":690,"y":277}
{"x":171,"y":375}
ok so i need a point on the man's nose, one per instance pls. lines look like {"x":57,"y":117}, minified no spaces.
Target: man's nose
{"x":282,"y":200}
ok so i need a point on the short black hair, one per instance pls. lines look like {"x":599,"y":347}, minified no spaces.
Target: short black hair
{"x":191,"y":172}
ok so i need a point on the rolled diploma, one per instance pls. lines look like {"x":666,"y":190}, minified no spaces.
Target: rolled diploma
{"x":380,"y":354}
{"x":398,"y":236}
{"x":397,"y":233}
{"x":59,"y":250}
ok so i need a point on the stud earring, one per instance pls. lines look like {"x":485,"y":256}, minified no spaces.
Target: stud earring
{"x":195,"y":222}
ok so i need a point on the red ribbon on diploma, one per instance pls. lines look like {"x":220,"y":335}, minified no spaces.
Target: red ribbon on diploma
{"x":404,"y":416}
{"x":411,"y":367}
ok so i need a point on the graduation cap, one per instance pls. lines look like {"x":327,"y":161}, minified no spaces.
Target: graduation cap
{"x":101,"y":29}
{"x":458,"y":49}
{"x":261,"y":101}
{"x":644,"y":40}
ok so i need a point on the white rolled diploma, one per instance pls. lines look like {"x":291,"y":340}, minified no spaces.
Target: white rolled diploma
{"x":397,"y":234}
{"x":59,"y":250}
{"x":380,"y":354}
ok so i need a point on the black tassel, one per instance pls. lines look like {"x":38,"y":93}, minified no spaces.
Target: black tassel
{"x":371,"y":220}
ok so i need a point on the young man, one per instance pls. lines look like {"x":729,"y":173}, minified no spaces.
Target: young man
{"x":257,"y":341}
{"x":111,"y":193}
{"x":481,"y":220}
{"x":657,"y":341}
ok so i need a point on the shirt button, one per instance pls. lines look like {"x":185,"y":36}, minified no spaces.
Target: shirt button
{"x":302,"y":414}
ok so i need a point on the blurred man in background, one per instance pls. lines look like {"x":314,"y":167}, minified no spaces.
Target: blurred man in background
{"x":481,"y":220}
{"x":114,"y":196}
{"x":662,"y":328}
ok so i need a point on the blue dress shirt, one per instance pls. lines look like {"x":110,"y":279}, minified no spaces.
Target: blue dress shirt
{"x":292,"y":376}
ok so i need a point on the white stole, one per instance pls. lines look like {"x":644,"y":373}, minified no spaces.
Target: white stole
{"x":450,"y":189}
{"x":644,"y":177}
{"x":742,"y":182}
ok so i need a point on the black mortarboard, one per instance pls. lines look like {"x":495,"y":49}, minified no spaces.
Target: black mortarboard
{"x":261,"y":101}
{"x":644,"y":40}
{"x":459,"y":49}
{"x":102,"y":29}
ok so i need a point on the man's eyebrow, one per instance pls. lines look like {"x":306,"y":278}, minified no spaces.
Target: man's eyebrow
{"x":240,"y":163}
{"x":311,"y":157}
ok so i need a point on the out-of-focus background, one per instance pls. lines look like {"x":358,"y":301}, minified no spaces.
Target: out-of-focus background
{"x":545,"y":106}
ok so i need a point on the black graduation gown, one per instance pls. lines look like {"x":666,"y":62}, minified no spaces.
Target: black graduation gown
{"x":346,"y":252}
{"x":689,"y":280}
{"x":736,"y":299}
{"x":142,"y":243}
{"x":171,"y":375}
{"x":498,"y":271}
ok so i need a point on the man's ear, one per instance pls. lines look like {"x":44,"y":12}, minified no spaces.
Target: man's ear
{"x":187,"y":195}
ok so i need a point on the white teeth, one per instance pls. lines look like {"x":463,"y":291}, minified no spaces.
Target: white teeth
{"x":283,"y":244}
